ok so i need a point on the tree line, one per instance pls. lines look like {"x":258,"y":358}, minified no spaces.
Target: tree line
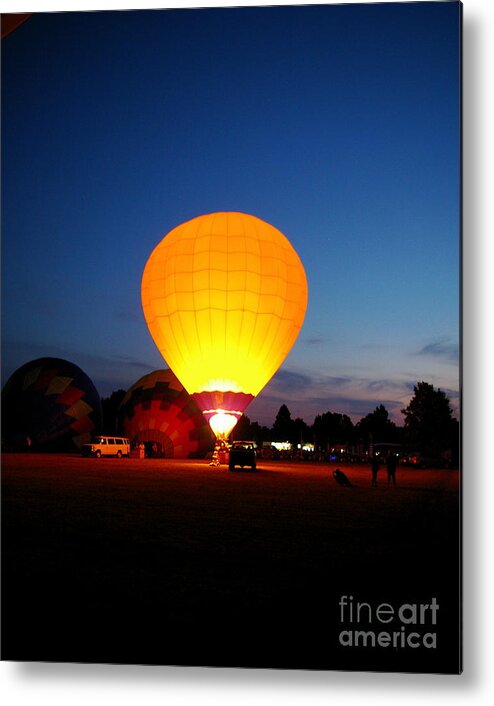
{"x":429,"y":426}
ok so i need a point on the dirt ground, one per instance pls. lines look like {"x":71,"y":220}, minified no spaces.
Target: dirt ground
{"x":163,"y":561}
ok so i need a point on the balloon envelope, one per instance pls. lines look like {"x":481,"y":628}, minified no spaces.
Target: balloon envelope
{"x":224,"y":296}
{"x":53,"y":402}
{"x":157,"y":410}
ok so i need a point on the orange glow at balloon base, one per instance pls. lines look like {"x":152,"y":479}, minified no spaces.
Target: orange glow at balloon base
{"x":222,"y":423}
{"x":222,"y":409}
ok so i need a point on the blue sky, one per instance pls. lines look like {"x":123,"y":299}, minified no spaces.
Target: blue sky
{"x":337,"y":124}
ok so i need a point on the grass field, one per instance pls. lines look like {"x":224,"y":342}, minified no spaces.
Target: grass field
{"x":175,"y":562}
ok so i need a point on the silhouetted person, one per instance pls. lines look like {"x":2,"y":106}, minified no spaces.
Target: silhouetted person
{"x":375,"y":465}
{"x":215,"y":460}
{"x":391,"y":464}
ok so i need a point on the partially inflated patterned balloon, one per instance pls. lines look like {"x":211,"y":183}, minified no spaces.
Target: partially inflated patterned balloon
{"x":53,"y":402}
{"x":157,"y":411}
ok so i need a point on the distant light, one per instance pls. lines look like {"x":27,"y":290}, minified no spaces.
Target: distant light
{"x":282,"y":445}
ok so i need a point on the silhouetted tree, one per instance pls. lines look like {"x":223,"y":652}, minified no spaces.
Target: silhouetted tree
{"x":332,"y":428}
{"x":429,"y":424}
{"x":301,"y":432}
{"x":283,"y":424}
{"x":287,"y":429}
{"x":377,"y":427}
{"x":251,"y":431}
{"x":259,"y":433}
{"x":454,"y":446}
{"x":242,"y":428}
{"x":110,"y":406}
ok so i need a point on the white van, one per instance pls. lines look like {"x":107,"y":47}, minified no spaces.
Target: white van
{"x":107,"y":446}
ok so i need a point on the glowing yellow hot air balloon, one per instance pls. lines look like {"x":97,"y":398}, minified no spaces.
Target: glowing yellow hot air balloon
{"x":224,"y":296}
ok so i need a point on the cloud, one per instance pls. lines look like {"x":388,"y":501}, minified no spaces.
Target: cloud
{"x":288,"y":383}
{"x":441,"y":349}
{"x":402,"y":386}
{"x":316,"y":341}
{"x":117,"y":371}
{"x":133,"y":362}
{"x":308,"y":395}
{"x":290,"y":380}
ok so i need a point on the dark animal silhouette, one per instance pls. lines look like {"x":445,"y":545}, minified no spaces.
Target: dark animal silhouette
{"x":341,"y":478}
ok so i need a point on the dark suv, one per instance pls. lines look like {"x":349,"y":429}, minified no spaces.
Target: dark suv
{"x":242,"y":453}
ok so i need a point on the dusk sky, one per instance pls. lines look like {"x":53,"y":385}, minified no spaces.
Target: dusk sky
{"x":337,"y":124}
